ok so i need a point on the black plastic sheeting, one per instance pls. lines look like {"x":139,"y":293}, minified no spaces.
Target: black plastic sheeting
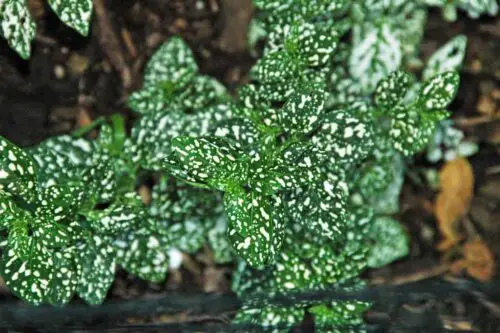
{"x":113,"y":316}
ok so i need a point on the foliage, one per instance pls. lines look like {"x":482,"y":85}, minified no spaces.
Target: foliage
{"x":18,"y":27}
{"x":298,"y":176}
{"x":302,"y":175}
{"x":474,"y":8}
{"x":60,"y":241}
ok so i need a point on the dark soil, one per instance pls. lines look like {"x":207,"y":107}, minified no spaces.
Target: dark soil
{"x":70,"y":79}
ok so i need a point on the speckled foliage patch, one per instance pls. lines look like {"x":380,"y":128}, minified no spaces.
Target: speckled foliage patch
{"x":296,"y":178}
{"x":18,"y":27}
{"x":58,"y":241}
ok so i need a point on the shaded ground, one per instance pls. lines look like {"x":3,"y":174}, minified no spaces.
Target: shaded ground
{"x":70,"y":79}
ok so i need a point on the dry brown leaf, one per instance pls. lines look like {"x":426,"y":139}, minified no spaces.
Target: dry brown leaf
{"x":478,"y":261}
{"x":457,"y":185}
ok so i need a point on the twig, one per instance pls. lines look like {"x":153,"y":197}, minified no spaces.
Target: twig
{"x":111,"y":44}
{"x":129,"y":43}
{"x":471,"y":122}
{"x":419,"y":275}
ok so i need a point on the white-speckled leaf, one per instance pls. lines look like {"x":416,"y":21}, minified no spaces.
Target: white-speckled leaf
{"x":448,"y":57}
{"x":172,"y":63}
{"x":390,"y":242}
{"x":345,"y":137}
{"x":255,"y":229}
{"x":376,"y":53}
{"x":17,"y":26}
{"x":439,"y":91}
{"x":63,"y":285}
{"x":391,"y":90}
{"x":74,"y":13}
{"x":142,"y":254}
{"x":302,"y":111}
{"x":17,"y":172}
{"x":96,"y":262}
{"x":28,"y":279}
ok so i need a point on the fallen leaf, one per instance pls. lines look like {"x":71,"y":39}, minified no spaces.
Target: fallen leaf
{"x":456,"y":181}
{"x":478,"y":261}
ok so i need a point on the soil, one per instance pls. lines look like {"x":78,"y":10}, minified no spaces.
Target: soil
{"x":71,"y":79}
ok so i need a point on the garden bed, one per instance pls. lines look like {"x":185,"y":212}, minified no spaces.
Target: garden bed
{"x":71,"y":80}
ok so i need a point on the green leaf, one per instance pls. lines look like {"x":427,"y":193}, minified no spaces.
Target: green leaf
{"x":60,"y":202}
{"x":392,"y":90}
{"x":256,"y":229}
{"x":477,"y":7}
{"x":19,"y":240}
{"x":251,"y":99}
{"x":63,"y":285}
{"x":271,"y":318}
{"x":121,"y":216}
{"x":149,"y":142}
{"x":17,"y":26}
{"x":302,"y":111}
{"x":322,"y":208}
{"x":292,"y":273}
{"x":173,"y":63}
{"x":188,"y":235}
{"x":74,"y":13}
{"x":448,"y":57}
{"x":315,"y":46}
{"x":102,"y":177}
{"x":176,"y":201}
{"x":339,"y":314}
{"x":142,"y":254}
{"x":275,"y":68}
{"x":210,"y":159}
{"x":63,"y":159}
{"x":408,"y":132}
{"x":28,"y":279}
{"x":240,"y":131}
{"x":150,"y":99}
{"x":51,"y":234}
{"x":218,"y":241}
{"x":9,"y":212}
{"x":96,"y":263}
{"x":390,"y":242}
{"x":348,"y":138}
{"x":17,"y":172}
{"x":202,"y":92}
{"x":439,"y":91}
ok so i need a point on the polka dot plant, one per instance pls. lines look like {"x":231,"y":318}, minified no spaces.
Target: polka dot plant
{"x":294,"y":179}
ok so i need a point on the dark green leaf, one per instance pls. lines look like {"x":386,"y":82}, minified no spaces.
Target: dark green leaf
{"x":439,"y":91}
{"x":302,"y":111}
{"x":348,"y":138}
{"x":60,"y":202}
{"x":210,"y":159}
{"x":75,"y":13}
{"x":96,"y":263}
{"x":241,"y":131}
{"x":19,"y":240}
{"x":17,"y":171}
{"x":28,"y":279}
{"x":142,"y":254}
{"x":392,"y":90}
{"x":172,"y":63}
{"x":256,"y":230}
{"x":276,"y":67}
{"x":63,"y":285}
{"x":322,"y":208}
